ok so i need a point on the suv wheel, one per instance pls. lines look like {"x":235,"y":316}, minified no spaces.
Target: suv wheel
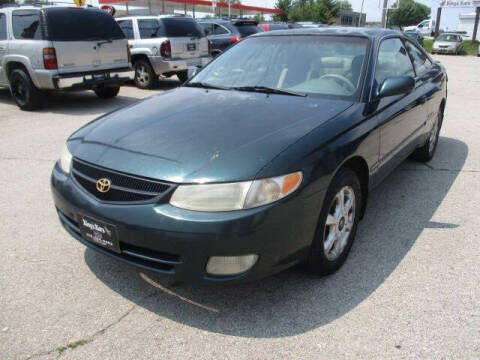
{"x":145,"y":77}
{"x":24,"y":92}
{"x":182,"y":76}
{"x":107,"y":92}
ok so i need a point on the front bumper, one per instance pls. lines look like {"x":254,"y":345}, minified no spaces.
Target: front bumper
{"x":161,"y":238}
{"x":163,"y":66}
{"x":444,"y":50}
{"x":93,"y":79}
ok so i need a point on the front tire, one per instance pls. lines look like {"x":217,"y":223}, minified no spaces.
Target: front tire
{"x":427,"y":151}
{"x":24,"y":92}
{"x":337,"y":224}
{"x":107,"y":92}
{"x":145,"y":77}
{"x":182,"y":76}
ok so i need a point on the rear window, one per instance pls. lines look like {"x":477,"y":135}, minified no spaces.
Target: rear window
{"x":181,"y":27}
{"x":26,"y":25}
{"x":248,"y":29}
{"x":72,"y":24}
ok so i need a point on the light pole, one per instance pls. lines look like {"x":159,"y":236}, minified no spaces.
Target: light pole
{"x":360,"y":17}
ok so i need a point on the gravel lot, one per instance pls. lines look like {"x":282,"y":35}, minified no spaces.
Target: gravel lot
{"x":410,"y":288}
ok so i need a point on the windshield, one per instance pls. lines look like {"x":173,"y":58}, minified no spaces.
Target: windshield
{"x":451,"y":38}
{"x":316,"y":65}
{"x":78,"y":24}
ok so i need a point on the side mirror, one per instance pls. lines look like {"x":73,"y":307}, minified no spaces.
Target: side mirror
{"x":420,"y":26}
{"x":193,"y":70}
{"x":396,"y":85}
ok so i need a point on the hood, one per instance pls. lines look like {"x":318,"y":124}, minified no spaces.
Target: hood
{"x":192,"y":135}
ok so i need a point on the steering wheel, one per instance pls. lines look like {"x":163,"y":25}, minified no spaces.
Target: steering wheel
{"x":344,"y":80}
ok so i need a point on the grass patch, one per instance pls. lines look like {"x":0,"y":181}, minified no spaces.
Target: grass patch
{"x":469,"y":47}
{"x":428,"y":45}
{"x":73,"y":345}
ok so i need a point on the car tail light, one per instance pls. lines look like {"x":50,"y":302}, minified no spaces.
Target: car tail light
{"x":50,"y":59}
{"x":234,"y":39}
{"x":129,"y":54}
{"x":166,"y":49}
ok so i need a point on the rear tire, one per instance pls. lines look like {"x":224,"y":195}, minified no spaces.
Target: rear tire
{"x":427,"y":151}
{"x":145,"y":77}
{"x":337,"y":224}
{"x":182,"y":76}
{"x":107,"y":92}
{"x":24,"y":92}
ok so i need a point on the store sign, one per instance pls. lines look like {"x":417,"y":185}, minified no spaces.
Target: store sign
{"x":458,"y":3}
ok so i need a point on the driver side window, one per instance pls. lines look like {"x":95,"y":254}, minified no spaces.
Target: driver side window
{"x":393,"y":60}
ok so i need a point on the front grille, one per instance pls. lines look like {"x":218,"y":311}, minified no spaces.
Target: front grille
{"x":124,"y":187}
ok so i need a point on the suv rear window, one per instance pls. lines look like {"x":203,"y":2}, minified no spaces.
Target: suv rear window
{"x":247,"y":29}
{"x":72,"y":24}
{"x":26,"y":24}
{"x":181,"y":27}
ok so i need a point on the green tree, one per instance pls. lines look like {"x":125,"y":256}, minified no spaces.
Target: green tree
{"x":344,"y":5}
{"x":285,"y":6}
{"x":408,"y":13}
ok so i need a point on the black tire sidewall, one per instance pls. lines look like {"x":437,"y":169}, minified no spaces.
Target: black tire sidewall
{"x":32,"y":94}
{"x":317,"y":261}
{"x":182,"y":76}
{"x":107,"y":92}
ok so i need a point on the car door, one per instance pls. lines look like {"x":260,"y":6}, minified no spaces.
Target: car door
{"x":220,"y":37}
{"x":424,"y":83}
{"x":3,"y":45}
{"x":400,"y":117}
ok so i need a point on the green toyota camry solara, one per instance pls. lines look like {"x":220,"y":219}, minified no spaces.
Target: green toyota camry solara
{"x":263,"y":159}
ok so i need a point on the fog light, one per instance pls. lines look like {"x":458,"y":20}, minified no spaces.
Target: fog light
{"x":230,"y":265}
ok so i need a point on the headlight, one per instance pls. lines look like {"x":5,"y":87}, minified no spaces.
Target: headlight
{"x":235,"y":196}
{"x":65,"y":159}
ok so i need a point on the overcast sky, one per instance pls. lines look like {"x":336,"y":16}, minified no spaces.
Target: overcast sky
{"x":372,"y":9}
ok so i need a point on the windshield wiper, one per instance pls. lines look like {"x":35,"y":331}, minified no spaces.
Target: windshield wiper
{"x":205,"y":86}
{"x":268,"y":90}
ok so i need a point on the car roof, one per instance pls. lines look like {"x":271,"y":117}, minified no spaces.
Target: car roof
{"x":372,"y":33}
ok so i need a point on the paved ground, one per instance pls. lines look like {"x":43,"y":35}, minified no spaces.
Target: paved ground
{"x":410,"y":288}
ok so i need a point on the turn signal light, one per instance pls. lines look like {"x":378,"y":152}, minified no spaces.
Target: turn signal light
{"x":291,"y":182}
{"x":166,"y":49}
{"x":234,"y":39}
{"x":50,"y":59}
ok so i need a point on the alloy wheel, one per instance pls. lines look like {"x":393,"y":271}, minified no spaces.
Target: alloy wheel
{"x":143,"y":77}
{"x":339,"y":223}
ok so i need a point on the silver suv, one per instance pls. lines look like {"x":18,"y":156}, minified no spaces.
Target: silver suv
{"x":164,"y":45}
{"x":60,"y":48}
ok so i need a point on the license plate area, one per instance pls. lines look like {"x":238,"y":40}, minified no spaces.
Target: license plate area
{"x":99,"y":233}
{"x":191,"y":47}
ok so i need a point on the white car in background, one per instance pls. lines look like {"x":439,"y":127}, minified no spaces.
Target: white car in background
{"x":164,"y":45}
{"x":426,"y":27}
{"x":447,"y":44}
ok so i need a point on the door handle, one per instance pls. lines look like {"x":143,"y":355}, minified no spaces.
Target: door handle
{"x":2,"y":48}
{"x":422,"y":100}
